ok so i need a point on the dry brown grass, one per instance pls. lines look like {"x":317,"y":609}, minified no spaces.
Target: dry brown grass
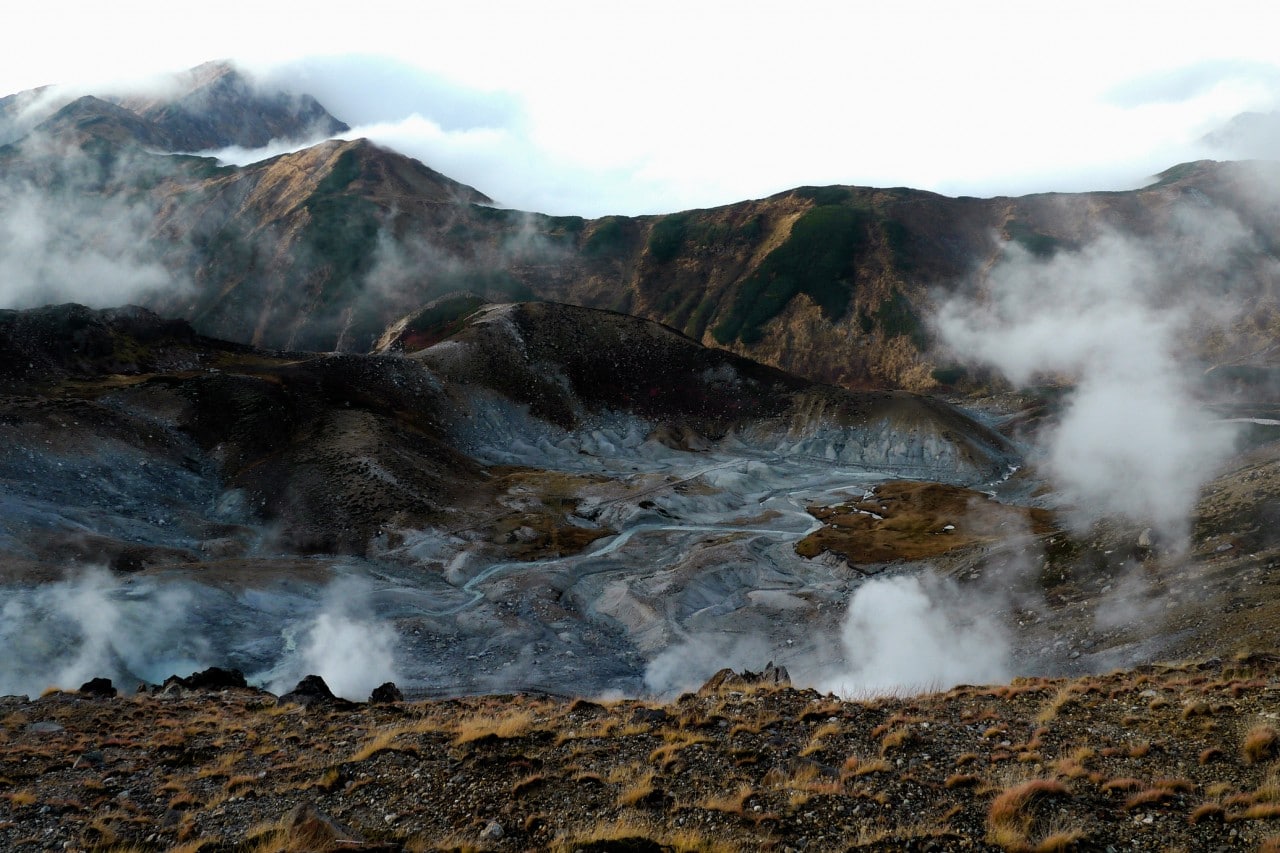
{"x":638,"y":790}
{"x":385,"y":740}
{"x":1010,"y":819}
{"x":1207,"y":811}
{"x":897,"y":739}
{"x":1258,"y":811}
{"x":512,"y":724}
{"x":18,"y":799}
{"x":628,"y":829}
{"x":1260,"y":744}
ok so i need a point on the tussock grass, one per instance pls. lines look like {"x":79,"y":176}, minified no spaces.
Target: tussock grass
{"x":1260,"y":744}
{"x":513,"y":724}
{"x":1010,"y":818}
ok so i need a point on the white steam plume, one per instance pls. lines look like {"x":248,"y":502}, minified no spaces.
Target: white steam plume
{"x":687,"y":665}
{"x":343,"y":644}
{"x":64,"y":633}
{"x":1133,"y":440}
{"x":917,"y":633}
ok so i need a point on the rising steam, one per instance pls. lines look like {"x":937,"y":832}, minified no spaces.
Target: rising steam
{"x":343,"y":644}
{"x":1133,"y":439}
{"x":917,"y":633}
{"x":93,"y":624}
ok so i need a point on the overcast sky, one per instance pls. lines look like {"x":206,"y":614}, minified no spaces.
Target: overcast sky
{"x":604,"y":107}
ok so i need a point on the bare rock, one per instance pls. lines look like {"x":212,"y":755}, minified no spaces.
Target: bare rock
{"x":385,"y":694}
{"x":100,"y":688}
{"x":727,"y":679}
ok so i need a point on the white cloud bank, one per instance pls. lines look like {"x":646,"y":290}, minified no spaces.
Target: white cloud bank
{"x":575,"y":108}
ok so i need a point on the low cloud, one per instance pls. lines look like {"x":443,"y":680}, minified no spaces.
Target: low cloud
{"x":75,"y":237}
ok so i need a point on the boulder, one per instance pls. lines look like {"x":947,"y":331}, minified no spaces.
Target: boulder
{"x":312,"y":690}
{"x":101,"y":688}
{"x":727,"y":679}
{"x":385,"y":694}
{"x":213,"y":678}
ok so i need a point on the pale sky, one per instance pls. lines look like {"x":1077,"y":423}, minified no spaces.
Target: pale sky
{"x":599,"y":107}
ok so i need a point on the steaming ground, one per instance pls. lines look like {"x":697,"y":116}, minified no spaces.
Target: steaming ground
{"x":703,"y":568}
{"x":701,"y":574}
{"x":488,"y":515}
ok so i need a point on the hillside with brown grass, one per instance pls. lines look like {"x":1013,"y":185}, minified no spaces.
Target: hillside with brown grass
{"x":1178,"y":757}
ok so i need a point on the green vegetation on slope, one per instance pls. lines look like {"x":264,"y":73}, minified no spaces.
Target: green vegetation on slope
{"x":1040,"y":245}
{"x":688,"y":234}
{"x":344,"y":226}
{"x":897,"y":318}
{"x":819,"y":259}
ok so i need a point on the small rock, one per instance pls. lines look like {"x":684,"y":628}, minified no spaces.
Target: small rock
{"x":92,"y":758}
{"x":44,"y":727}
{"x":492,"y":832}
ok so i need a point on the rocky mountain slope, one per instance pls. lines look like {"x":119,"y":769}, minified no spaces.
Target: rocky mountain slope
{"x":322,"y":248}
{"x":210,"y":106}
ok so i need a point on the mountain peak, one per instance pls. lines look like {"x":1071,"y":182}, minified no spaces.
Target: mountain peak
{"x":214,"y":105}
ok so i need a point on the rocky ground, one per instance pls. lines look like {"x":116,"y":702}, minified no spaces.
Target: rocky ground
{"x":1156,"y":758}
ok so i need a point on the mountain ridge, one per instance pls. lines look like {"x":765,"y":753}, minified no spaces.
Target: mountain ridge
{"x":322,"y":248}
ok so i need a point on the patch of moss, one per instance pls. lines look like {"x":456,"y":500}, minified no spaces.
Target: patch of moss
{"x":819,"y":259}
{"x":343,"y":226}
{"x":494,"y":284}
{"x":697,"y":322}
{"x":902,"y":244}
{"x":952,"y":374}
{"x":825,"y":195}
{"x":439,"y":320}
{"x":502,"y":215}
{"x":1176,"y":173}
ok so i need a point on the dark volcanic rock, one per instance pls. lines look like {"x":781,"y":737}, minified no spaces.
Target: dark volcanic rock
{"x":386,"y":694}
{"x":213,"y":678}
{"x":727,"y":679}
{"x":311,"y":691}
{"x":99,"y":687}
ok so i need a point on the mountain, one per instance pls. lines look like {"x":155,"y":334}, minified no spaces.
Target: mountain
{"x":322,"y":248}
{"x":1247,"y":136}
{"x":210,"y":106}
